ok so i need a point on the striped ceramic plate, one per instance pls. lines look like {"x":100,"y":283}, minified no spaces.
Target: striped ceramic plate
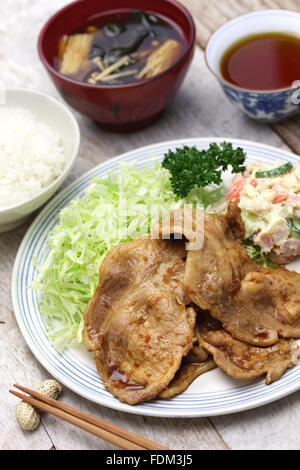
{"x":214,"y":393}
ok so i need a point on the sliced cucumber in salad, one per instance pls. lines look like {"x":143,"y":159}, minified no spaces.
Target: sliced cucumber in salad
{"x":294,"y":226}
{"x":251,"y":222}
{"x":281,"y":170}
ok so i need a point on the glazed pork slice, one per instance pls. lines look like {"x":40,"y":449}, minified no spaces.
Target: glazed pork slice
{"x":241,"y":360}
{"x":246,"y":362}
{"x":187,"y":373}
{"x":254,"y":304}
{"x":196,"y":363}
{"x":137,"y":322}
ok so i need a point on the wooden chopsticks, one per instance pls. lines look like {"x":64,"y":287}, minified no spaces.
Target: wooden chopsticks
{"x":109,"y":432}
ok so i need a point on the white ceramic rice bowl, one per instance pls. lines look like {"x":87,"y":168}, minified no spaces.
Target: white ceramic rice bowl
{"x":59,"y":118}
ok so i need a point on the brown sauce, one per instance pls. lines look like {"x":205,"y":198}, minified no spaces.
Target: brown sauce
{"x":122,"y":381}
{"x":266,"y":61}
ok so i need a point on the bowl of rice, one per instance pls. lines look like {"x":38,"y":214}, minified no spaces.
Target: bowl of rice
{"x":39,"y":141}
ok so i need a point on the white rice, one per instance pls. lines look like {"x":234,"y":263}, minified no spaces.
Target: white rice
{"x":31,"y":156}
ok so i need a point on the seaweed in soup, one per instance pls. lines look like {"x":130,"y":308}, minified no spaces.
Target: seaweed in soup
{"x":122,"y":48}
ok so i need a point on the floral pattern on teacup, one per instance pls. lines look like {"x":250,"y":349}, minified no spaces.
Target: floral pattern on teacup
{"x":271,"y":106}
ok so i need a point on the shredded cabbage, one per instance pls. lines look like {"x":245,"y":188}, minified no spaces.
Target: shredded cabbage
{"x":255,"y":253}
{"x":114,"y":210}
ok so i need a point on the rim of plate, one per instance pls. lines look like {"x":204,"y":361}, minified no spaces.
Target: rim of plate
{"x":79,"y":376}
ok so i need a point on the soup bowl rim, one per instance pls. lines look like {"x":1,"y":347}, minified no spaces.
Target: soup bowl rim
{"x":223,"y":80}
{"x":186,"y":50}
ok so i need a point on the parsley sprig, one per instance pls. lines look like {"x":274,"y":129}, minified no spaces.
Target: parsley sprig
{"x":191,"y":167}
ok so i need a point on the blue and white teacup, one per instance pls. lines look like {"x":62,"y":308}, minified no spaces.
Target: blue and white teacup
{"x":263,"y":105}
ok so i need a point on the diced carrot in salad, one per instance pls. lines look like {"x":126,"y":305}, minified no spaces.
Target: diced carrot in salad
{"x":280,"y":198}
{"x":235,"y":189}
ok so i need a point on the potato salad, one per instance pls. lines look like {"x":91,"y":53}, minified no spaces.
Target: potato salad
{"x":269,"y":198}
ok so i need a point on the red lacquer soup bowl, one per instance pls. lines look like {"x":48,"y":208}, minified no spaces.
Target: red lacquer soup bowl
{"x":130,"y":106}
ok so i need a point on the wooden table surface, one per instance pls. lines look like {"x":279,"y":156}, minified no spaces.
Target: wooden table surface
{"x":199,"y":110}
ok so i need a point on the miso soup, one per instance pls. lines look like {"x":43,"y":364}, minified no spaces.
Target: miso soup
{"x":121,"y":48}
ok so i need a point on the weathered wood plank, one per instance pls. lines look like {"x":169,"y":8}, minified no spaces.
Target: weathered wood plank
{"x":289,"y":131}
{"x":272,"y":427}
{"x":16,"y":359}
{"x":209,"y":15}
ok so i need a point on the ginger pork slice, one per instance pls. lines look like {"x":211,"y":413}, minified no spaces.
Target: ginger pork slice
{"x":255,"y":304}
{"x":241,"y":360}
{"x":187,"y":373}
{"x":137,"y":322}
{"x":196,"y":363}
{"x":246,"y":362}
